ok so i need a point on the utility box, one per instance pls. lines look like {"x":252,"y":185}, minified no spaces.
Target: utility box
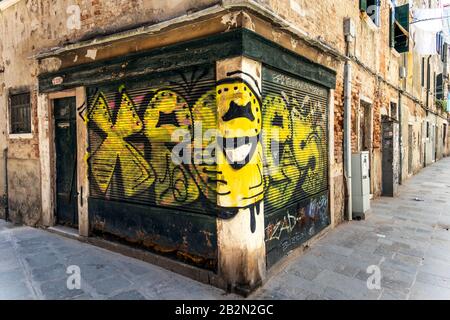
{"x":360,"y":184}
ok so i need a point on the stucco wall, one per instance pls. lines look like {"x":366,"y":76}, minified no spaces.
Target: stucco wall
{"x":29,"y":27}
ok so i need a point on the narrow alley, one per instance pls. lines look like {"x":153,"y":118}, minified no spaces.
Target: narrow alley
{"x":408,"y":238}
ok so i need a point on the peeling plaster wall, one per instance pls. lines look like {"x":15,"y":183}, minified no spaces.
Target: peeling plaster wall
{"x":371,"y":49}
{"x":2,"y":138}
{"x":30,"y":26}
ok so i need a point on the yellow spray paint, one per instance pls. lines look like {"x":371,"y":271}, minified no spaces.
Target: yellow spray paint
{"x":136,"y":172}
{"x":240,"y":162}
{"x":168,"y":112}
{"x":283,"y":173}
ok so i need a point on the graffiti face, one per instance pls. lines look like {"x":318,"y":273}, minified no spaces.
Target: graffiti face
{"x":204,"y":155}
{"x":240,"y":173}
{"x":166,"y":113}
{"x":283,"y":172}
{"x":136,"y":172}
{"x":308,"y":147}
{"x":227,"y":169}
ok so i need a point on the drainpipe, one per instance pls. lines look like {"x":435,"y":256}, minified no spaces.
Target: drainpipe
{"x":347,"y":129}
{"x":6,"y":200}
{"x":428,"y":82}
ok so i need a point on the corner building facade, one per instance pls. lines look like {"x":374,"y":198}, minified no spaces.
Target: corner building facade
{"x":107,"y":97}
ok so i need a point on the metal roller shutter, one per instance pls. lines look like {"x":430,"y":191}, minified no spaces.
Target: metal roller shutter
{"x":295,"y":126}
{"x":130,"y":140}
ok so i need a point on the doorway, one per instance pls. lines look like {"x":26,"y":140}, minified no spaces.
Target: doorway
{"x":66,"y":161}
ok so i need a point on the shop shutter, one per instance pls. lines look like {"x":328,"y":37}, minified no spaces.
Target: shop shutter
{"x":295,"y":120}
{"x":130,"y":143}
{"x":295,"y":135}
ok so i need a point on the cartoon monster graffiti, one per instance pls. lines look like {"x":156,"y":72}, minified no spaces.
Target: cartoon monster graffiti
{"x":227,"y":170}
{"x":115,"y":151}
{"x":166,"y":113}
{"x":240,"y":159}
{"x":282,"y":172}
{"x":204,"y":162}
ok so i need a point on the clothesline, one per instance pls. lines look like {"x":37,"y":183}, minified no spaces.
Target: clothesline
{"x":440,"y":18}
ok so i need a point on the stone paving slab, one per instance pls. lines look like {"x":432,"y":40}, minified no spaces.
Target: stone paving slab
{"x":408,"y":241}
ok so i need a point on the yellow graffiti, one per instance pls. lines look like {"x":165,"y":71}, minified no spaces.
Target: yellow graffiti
{"x":204,"y":162}
{"x":309,"y":151}
{"x":283,"y":173}
{"x":235,"y":168}
{"x":294,"y":149}
{"x":135,"y":171}
{"x":240,"y":162}
{"x":166,"y":113}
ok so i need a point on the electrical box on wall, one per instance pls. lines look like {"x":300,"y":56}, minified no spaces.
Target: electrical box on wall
{"x":403,"y":73}
{"x":349,"y":29}
{"x":360,"y":184}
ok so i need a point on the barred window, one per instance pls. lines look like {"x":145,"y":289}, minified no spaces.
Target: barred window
{"x":20,"y":113}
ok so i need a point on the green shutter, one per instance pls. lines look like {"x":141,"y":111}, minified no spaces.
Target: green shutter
{"x":440,"y":87}
{"x":363,"y":5}
{"x":391,"y":29}
{"x":400,"y":39}
{"x":402,"y":16}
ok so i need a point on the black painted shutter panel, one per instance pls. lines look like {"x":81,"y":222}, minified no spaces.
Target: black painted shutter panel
{"x":401,"y":39}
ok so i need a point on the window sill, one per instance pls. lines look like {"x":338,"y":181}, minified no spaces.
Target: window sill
{"x":369,"y":21}
{"x":20,"y":136}
{"x":5,"y":4}
{"x":395,"y":53}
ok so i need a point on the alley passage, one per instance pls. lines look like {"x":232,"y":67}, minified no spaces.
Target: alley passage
{"x":408,"y":238}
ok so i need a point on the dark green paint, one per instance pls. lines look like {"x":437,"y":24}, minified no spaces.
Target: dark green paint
{"x":66,"y":161}
{"x":164,"y":230}
{"x":239,"y":42}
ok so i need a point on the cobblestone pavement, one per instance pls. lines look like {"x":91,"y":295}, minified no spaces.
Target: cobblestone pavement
{"x":408,"y":240}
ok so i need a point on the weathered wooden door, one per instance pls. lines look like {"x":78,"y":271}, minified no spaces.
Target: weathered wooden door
{"x":66,"y":161}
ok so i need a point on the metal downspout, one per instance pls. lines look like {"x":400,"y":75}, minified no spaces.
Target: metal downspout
{"x":348,"y":133}
{"x":400,"y":138}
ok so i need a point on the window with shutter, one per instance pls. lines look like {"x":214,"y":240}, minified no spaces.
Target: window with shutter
{"x":20,"y":113}
{"x":444,"y":54}
{"x":422,"y":79}
{"x":372,"y":9}
{"x":363,"y":5}
{"x":399,"y":28}
{"x":439,"y":87}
